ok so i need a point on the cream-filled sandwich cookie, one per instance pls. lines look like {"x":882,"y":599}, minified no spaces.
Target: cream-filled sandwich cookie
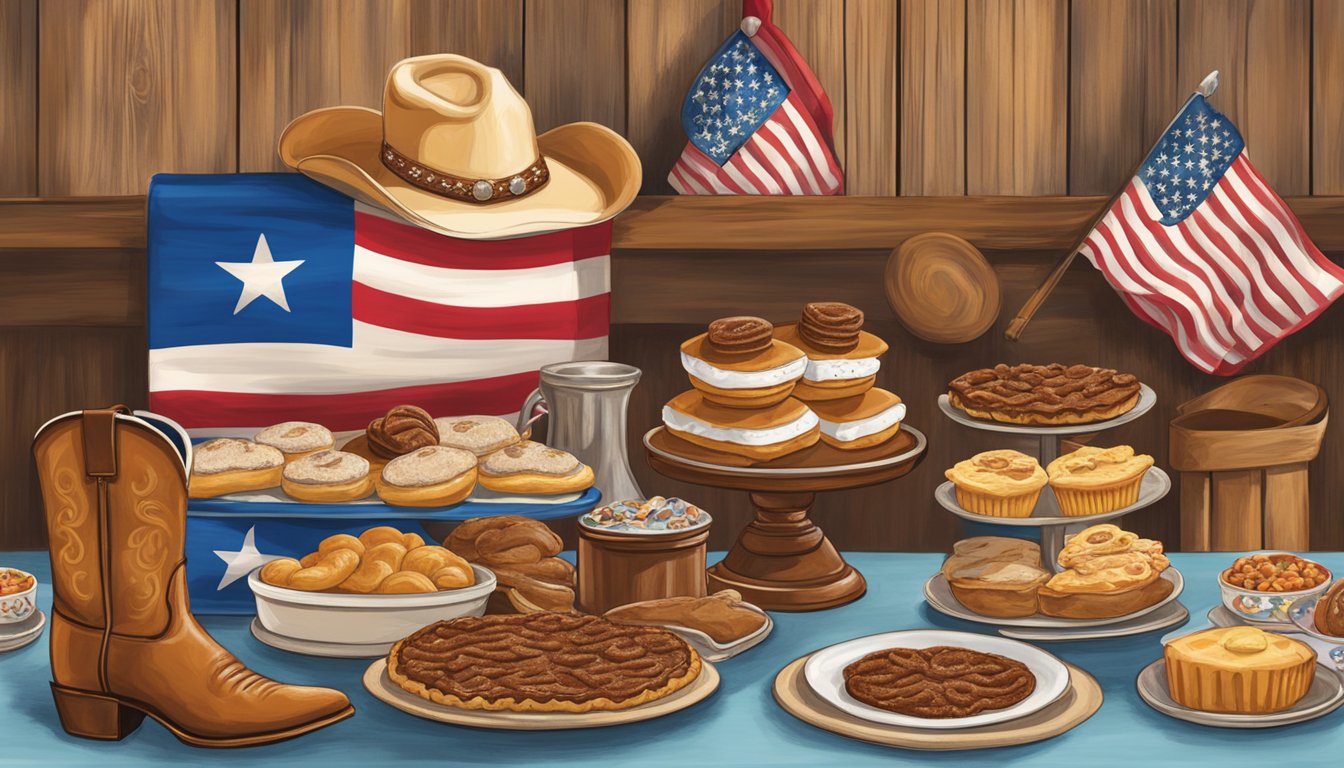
{"x":328,"y":477}
{"x":529,"y":467}
{"x":860,"y":422}
{"x":482,"y":435}
{"x":760,"y":435}
{"x":842,"y":358}
{"x":226,"y":465}
{"x":430,"y":477}
{"x":297,"y":439}
{"x":737,"y":363}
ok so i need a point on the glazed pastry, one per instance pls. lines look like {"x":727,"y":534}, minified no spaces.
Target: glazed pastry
{"x":723,"y":616}
{"x":860,"y":422}
{"x":296,"y":439}
{"x":1330,"y":611}
{"x":431,"y":477}
{"x":1107,"y":539}
{"x":842,"y":359}
{"x":1093,"y":481}
{"x":482,"y":435}
{"x":405,"y":428}
{"x":226,"y":465}
{"x":999,"y":483}
{"x":1105,"y":587}
{"x":938,"y":682}
{"x":1240,"y":670}
{"x":328,"y":477}
{"x":759,"y":435}
{"x":1044,"y":394}
{"x":522,"y":555}
{"x":995,"y":575}
{"x":381,"y":560}
{"x":529,"y":467}
{"x":737,"y":363}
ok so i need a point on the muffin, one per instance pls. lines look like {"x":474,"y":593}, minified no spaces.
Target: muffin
{"x":842,"y":359}
{"x":1093,"y":481}
{"x":226,"y":465}
{"x":328,"y":477}
{"x":759,"y":435}
{"x":999,"y":483}
{"x":530,"y":467}
{"x":1240,"y":670}
{"x":995,"y":575}
{"x":435,"y":476}
{"x":296,"y":439}
{"x":860,"y":422}
{"x":738,"y":364}
{"x":482,"y":435}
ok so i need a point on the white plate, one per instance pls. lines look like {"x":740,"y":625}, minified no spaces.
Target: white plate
{"x":939,"y":596}
{"x":1325,"y":696}
{"x":1169,"y":615}
{"x":20,"y":633}
{"x":1147,"y":399}
{"x":825,"y":674}
{"x":712,"y":651}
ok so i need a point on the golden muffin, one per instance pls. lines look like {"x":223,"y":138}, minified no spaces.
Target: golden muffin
{"x":1240,"y":670}
{"x":999,"y":483}
{"x":1093,"y":481}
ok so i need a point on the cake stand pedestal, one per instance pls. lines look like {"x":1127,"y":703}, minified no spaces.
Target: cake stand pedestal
{"x":782,"y":561}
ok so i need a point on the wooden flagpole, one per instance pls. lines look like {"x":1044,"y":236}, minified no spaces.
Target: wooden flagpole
{"x":1206,"y":88}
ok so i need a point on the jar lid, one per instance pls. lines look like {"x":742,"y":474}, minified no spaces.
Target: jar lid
{"x":642,"y":517}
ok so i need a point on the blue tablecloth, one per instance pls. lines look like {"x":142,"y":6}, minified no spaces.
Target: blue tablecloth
{"x":739,"y":725}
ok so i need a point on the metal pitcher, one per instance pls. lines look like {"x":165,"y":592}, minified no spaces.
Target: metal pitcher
{"x":585,"y":402}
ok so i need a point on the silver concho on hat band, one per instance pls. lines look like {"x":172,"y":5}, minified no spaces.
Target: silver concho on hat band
{"x":476,"y":191}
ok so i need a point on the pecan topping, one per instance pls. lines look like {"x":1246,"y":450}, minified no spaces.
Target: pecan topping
{"x":404,"y":429}
{"x":740,"y":335}
{"x":831,"y":326}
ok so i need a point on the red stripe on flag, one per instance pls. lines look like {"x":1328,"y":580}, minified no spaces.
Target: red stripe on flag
{"x":1262,"y":277}
{"x":779,"y":51}
{"x":421,"y":246}
{"x":585,"y":318}
{"x":1277,"y":248}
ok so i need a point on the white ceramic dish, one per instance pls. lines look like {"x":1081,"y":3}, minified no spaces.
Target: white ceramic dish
{"x":1266,"y":607}
{"x":363,"y":619}
{"x":20,"y":605}
{"x":939,"y":596}
{"x":712,"y":651}
{"x":17,"y":635}
{"x":824,"y":672}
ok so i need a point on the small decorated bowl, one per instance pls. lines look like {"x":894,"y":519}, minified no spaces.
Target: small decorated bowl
{"x":1262,"y":586}
{"x":18,"y":595}
{"x":646,"y":516}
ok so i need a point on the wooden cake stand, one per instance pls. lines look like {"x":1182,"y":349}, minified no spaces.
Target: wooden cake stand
{"x":782,"y":561}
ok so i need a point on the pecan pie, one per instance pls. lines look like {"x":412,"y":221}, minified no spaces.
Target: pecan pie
{"x":541,"y":662}
{"x":1044,"y":394}
{"x":938,"y":682}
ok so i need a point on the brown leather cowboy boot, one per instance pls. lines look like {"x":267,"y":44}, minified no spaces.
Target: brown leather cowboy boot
{"x":123,"y":641}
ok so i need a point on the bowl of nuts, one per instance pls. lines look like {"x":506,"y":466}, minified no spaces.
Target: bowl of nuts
{"x":1263,"y":585}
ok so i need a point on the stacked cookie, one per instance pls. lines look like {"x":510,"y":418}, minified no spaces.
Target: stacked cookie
{"x":763,"y":392}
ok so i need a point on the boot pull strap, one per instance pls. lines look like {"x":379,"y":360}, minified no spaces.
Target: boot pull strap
{"x":100,"y":440}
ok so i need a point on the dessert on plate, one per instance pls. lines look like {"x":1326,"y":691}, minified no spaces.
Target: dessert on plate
{"x":842,"y":358}
{"x":1240,"y":670}
{"x":861,"y":421}
{"x":1329,"y":616}
{"x":760,"y":434}
{"x":737,"y":363}
{"x":1093,"y":481}
{"x":433,"y":476}
{"x":723,"y":616}
{"x":996,"y":575}
{"x":482,"y":435}
{"x":296,"y":439}
{"x":404,"y":429}
{"x":1044,"y":394}
{"x":1108,"y":539}
{"x":542,"y":662}
{"x":381,"y":560}
{"x":530,"y":467}
{"x":226,"y":465}
{"x":938,"y":682}
{"x":1000,"y":483}
{"x":1108,"y":573}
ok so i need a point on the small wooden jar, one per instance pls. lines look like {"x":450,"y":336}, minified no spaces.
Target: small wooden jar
{"x":619,"y":567}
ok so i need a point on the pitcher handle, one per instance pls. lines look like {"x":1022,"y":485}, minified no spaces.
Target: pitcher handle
{"x":534,"y":401}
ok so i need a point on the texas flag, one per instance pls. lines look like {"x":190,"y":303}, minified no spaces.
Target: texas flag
{"x":273,"y":298}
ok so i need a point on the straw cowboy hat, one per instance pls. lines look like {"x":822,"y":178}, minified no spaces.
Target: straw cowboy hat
{"x":454,"y":151}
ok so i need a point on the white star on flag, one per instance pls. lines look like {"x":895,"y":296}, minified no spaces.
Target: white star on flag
{"x":263,"y":276}
{"x":244,"y":561}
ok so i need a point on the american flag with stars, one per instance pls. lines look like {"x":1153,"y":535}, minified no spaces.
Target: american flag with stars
{"x":1198,"y":245}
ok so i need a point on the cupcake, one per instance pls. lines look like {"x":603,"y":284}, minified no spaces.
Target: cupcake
{"x":862,"y":421}
{"x":738,"y":364}
{"x":1093,"y":481}
{"x":1240,"y":670}
{"x":434,"y":476}
{"x":296,"y":439}
{"x":998,"y":483}
{"x":842,"y":358}
{"x":328,"y":477}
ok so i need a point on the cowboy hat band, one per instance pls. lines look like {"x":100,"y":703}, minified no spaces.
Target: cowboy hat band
{"x":479,"y":191}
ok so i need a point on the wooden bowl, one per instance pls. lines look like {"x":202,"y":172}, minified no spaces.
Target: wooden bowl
{"x":942,"y":289}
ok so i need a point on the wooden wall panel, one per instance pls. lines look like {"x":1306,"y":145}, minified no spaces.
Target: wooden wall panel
{"x":817,"y":29}
{"x":574,"y":62}
{"x":18,"y":97}
{"x":1327,"y":107}
{"x":1263,"y":50}
{"x":1016,"y":97}
{"x":933,"y":97}
{"x":1122,"y":88}
{"x":298,"y":55}
{"x":676,"y":38}
{"x":130,"y":88}
{"x":872,"y":97}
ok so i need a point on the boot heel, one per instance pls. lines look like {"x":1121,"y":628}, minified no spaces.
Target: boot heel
{"x":93,"y":715}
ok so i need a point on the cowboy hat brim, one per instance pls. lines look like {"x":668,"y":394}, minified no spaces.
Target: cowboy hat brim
{"x":594,"y":175}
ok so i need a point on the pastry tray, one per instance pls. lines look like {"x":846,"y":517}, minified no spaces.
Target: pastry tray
{"x":481,"y":503}
{"x":1147,"y":399}
{"x":938,"y":594}
{"x":1155,"y":485}
{"x":1325,"y":696}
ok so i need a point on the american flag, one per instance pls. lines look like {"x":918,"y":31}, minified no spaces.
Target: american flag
{"x":1198,"y":245}
{"x":757,"y":123}
{"x":272,"y":298}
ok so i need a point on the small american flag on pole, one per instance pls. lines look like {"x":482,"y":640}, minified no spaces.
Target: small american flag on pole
{"x":757,"y":120}
{"x":1198,"y":245}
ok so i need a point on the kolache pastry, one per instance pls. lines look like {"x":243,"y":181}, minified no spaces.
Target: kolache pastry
{"x":1000,"y":483}
{"x":530,"y":467}
{"x":296,"y":439}
{"x":1239,"y":670}
{"x":1093,"y":481}
{"x":381,"y":560}
{"x":404,"y":429}
{"x":842,"y":358}
{"x":328,"y":477}
{"x":861,"y":421}
{"x":433,"y":476}
{"x":542,"y":662}
{"x":938,"y":682}
{"x":760,"y":435}
{"x":1044,"y":394}
{"x":226,"y":465}
{"x":1108,"y":572}
{"x":482,"y":435}
{"x":1329,"y":616}
{"x":522,"y":554}
{"x":996,"y":575}
{"x":723,"y":616}
{"x":737,"y":363}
